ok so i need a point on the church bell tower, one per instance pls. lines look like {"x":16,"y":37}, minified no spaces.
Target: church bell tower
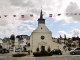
{"x":41,"y":20}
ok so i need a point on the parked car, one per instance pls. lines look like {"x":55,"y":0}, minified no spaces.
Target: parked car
{"x":17,"y":50}
{"x":4,"y":50}
{"x":75,"y":51}
{"x":57,"y":52}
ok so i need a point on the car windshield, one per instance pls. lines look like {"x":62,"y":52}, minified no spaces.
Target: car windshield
{"x":56,"y":50}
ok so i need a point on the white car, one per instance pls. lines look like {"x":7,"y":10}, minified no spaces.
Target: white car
{"x":11,"y":49}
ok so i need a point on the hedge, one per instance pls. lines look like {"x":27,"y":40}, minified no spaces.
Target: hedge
{"x":19,"y":55}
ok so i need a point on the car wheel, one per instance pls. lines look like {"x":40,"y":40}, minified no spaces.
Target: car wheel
{"x":60,"y":53}
{"x":73,"y":53}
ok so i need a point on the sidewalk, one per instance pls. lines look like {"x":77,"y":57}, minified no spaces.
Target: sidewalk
{"x":66,"y":53}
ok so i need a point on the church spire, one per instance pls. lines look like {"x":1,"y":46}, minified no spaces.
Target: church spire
{"x":41,"y":20}
{"x":41,"y":15}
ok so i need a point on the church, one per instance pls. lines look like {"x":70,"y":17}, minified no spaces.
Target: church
{"x":41,"y":37}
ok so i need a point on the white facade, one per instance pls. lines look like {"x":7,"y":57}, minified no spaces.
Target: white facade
{"x":36,"y":41}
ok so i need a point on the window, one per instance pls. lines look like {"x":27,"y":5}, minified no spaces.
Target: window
{"x":77,"y":49}
{"x":42,"y":37}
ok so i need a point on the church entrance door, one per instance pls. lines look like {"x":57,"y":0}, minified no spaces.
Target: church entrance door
{"x":42,"y":48}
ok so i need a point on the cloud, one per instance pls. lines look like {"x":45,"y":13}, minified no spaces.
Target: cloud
{"x":3,"y":22}
{"x":75,"y":32}
{"x":10,"y":24}
{"x":62,"y":33}
{"x":73,"y":8}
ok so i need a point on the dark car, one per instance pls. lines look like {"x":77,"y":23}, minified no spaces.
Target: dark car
{"x":56,"y":51}
{"x":75,"y":51}
{"x":4,"y":50}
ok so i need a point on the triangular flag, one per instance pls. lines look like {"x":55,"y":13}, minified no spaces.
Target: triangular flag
{"x":66,"y":13}
{"x":5,"y":15}
{"x":50,"y":15}
{"x":0,"y":16}
{"x":75,"y":14}
{"x":59,"y":14}
{"x":31,"y":15}
{"x":22,"y":16}
{"x":42,"y":14}
{"x":14,"y":15}
{"x":71,"y":13}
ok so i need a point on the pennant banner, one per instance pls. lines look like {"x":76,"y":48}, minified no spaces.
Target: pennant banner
{"x":31,"y":15}
{"x":14,"y":15}
{"x":50,"y":15}
{"x":58,"y":14}
{"x":5,"y":15}
{"x":22,"y":16}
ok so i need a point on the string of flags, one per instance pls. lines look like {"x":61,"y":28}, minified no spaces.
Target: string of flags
{"x":50,"y":15}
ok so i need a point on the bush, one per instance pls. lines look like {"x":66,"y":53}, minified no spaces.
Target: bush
{"x":49,"y":49}
{"x":19,"y":55}
{"x":4,"y":50}
{"x":37,"y":49}
{"x":42,"y":53}
{"x":69,"y":48}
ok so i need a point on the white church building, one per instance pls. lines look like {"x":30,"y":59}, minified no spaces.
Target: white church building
{"x":41,"y":37}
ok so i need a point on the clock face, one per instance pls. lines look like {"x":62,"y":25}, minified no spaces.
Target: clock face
{"x":42,"y":37}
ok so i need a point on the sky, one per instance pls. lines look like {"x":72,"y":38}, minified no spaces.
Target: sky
{"x":58,"y":25}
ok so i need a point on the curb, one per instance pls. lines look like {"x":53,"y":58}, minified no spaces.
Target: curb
{"x":51,"y":56}
{"x":43,"y":56}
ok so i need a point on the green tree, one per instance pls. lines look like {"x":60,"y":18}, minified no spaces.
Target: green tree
{"x":73,"y":38}
{"x":37,"y":49}
{"x":12,"y":37}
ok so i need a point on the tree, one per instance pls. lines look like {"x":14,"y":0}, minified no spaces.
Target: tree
{"x":37,"y":49}
{"x":74,"y":38}
{"x":12,"y":37}
{"x":49,"y":49}
{"x":77,"y":38}
{"x":17,"y":36}
{"x":65,"y":37}
{"x":60,"y":37}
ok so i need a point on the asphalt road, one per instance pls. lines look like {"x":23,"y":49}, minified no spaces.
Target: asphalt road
{"x":43,"y":58}
{"x":54,"y":57}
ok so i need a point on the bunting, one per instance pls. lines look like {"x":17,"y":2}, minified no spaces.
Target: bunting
{"x":66,"y":13}
{"x":22,"y":16}
{"x":31,"y":15}
{"x":71,"y":14}
{"x":75,"y":14}
{"x":5,"y":15}
{"x":14,"y":15}
{"x":50,"y":15}
{"x":58,"y":14}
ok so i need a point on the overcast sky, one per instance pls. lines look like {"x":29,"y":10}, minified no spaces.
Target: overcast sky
{"x":64,"y":24}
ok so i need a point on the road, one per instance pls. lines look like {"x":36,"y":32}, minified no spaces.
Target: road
{"x":43,"y":58}
{"x":54,"y":57}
